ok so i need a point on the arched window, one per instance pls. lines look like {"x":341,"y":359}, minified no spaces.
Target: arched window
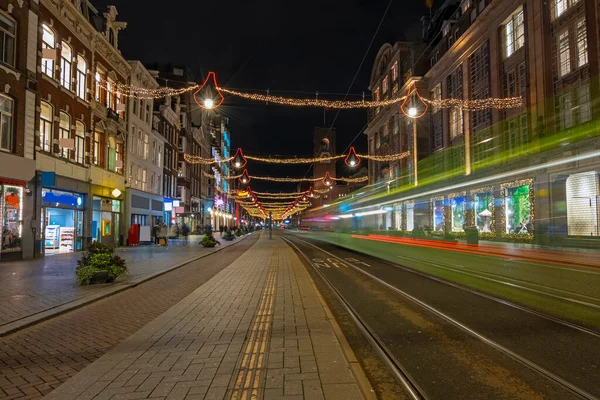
{"x":48,"y":50}
{"x":64,"y":132}
{"x":66,"y":61}
{"x":46,"y":126}
{"x":6,"y":123}
{"x":81,"y":77}
{"x":80,"y":142}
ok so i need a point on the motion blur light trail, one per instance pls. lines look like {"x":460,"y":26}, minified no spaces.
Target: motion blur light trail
{"x":494,"y":251}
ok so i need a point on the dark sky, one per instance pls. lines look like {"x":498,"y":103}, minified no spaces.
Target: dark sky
{"x":283,"y":45}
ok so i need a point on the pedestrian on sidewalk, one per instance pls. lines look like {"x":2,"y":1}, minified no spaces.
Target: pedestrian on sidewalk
{"x":185,"y":230}
{"x":155,"y":230}
{"x":221,"y":229}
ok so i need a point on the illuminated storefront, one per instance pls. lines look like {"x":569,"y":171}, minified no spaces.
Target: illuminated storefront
{"x":11,"y":218}
{"x":437,"y":214}
{"x":518,"y":213}
{"x":483,"y":210}
{"x":583,"y":200}
{"x":62,"y":221}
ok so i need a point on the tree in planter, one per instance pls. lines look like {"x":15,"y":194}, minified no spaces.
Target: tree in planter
{"x":238,"y":233}
{"x":208,"y":240}
{"x":228,"y":235}
{"x":100,"y":265}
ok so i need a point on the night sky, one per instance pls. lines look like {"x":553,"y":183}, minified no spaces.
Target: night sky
{"x":294,"y":48}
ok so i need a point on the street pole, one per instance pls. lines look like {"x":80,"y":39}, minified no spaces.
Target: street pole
{"x":415,"y":149}
{"x":270,"y":224}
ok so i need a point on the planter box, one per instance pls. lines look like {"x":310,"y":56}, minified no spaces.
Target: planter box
{"x":100,"y":277}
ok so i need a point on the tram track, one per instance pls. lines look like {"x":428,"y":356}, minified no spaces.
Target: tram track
{"x":544,"y":366}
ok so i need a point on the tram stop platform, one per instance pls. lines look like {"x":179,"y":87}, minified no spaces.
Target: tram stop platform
{"x":258,"y":329}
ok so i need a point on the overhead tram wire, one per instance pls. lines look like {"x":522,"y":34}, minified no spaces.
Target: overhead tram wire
{"x":357,"y":71}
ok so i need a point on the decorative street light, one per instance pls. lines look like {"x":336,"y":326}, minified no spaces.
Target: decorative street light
{"x":352,"y":160}
{"x":209,"y":104}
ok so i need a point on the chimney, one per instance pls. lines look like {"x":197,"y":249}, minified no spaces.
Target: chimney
{"x":426,"y":22}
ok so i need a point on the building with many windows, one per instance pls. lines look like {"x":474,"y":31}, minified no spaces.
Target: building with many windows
{"x":546,"y":53}
{"x":144,"y":197}
{"x":18,"y":55}
{"x":81,"y":131}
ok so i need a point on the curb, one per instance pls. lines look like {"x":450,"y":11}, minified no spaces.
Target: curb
{"x":55,"y":311}
{"x":361,"y":379}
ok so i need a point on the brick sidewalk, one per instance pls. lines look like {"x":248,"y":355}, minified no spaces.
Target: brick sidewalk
{"x":256,"y":330}
{"x":33,"y":290}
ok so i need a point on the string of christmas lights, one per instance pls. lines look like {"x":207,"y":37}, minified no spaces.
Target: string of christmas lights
{"x":299,"y":160}
{"x":479,"y":104}
{"x":141,"y":92}
{"x":303,"y":102}
{"x":386,"y":158}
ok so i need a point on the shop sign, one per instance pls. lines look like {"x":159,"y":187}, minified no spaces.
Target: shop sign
{"x":64,"y":199}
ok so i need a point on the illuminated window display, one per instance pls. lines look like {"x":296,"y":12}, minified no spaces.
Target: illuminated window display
{"x":11,"y":217}
{"x":458,"y":213}
{"x":483,"y":206}
{"x":518,"y":209}
{"x":437,"y":210}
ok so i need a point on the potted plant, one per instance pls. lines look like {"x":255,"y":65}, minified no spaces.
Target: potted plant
{"x":228,"y":235}
{"x":99,"y":265}
{"x":238,"y":233}
{"x":208,"y":240}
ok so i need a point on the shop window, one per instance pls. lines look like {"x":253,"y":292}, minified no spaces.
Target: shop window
{"x":458,"y":214}
{"x":410,"y":216}
{"x":81,"y":77}
{"x":8,"y":36}
{"x":48,"y":50}
{"x":66,"y":62}
{"x":6,"y":123}
{"x":46,"y":124}
{"x":517,"y":212}
{"x":80,"y":142}
{"x":437,"y":209}
{"x":483,"y":206}
{"x":11,"y":217}
{"x":583,"y":200}
{"x":64,"y":133}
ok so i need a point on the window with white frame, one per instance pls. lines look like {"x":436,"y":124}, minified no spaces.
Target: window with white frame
{"x":97,"y":79}
{"x":564,"y":53}
{"x":514,"y":33}
{"x":46,"y":124}
{"x":582,"y":47}
{"x":138,"y":176}
{"x":130,"y":174}
{"x":48,"y":50}
{"x":6,"y":123}
{"x":376,"y":94}
{"x":112,"y":154}
{"x":159,"y":156}
{"x":79,"y":142}
{"x":109,"y":95}
{"x":153,"y":152}
{"x":144,"y":172}
{"x":456,"y":122}
{"x":157,"y":191}
{"x":436,"y":97}
{"x":395,"y":71}
{"x":81,"y":78}
{"x":140,"y":144}
{"x":64,"y":132}
{"x":146,"y":146}
{"x":135,"y":106}
{"x":559,"y":7}
{"x":8,"y":36}
{"x":148,"y":111}
{"x":66,"y":62}
{"x":385,"y":84}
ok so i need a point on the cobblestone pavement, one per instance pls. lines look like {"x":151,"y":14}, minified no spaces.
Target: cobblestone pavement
{"x":257,"y":330}
{"x":38,"y":359}
{"x":33,"y":286}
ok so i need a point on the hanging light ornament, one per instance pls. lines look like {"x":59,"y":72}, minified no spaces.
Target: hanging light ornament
{"x":245,"y":178}
{"x":311,"y":192}
{"x":304,"y":197}
{"x":204,"y":97}
{"x":414,"y":106}
{"x":352,"y":160}
{"x":327,"y":181}
{"x":239,"y":161}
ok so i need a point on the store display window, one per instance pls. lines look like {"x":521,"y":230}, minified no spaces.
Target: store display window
{"x":11,"y":217}
{"x":518,"y":208}
{"x":437,"y":209}
{"x":458,"y":214}
{"x":483,"y":206}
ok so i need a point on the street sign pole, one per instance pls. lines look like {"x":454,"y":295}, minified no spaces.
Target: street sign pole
{"x":270,"y":224}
